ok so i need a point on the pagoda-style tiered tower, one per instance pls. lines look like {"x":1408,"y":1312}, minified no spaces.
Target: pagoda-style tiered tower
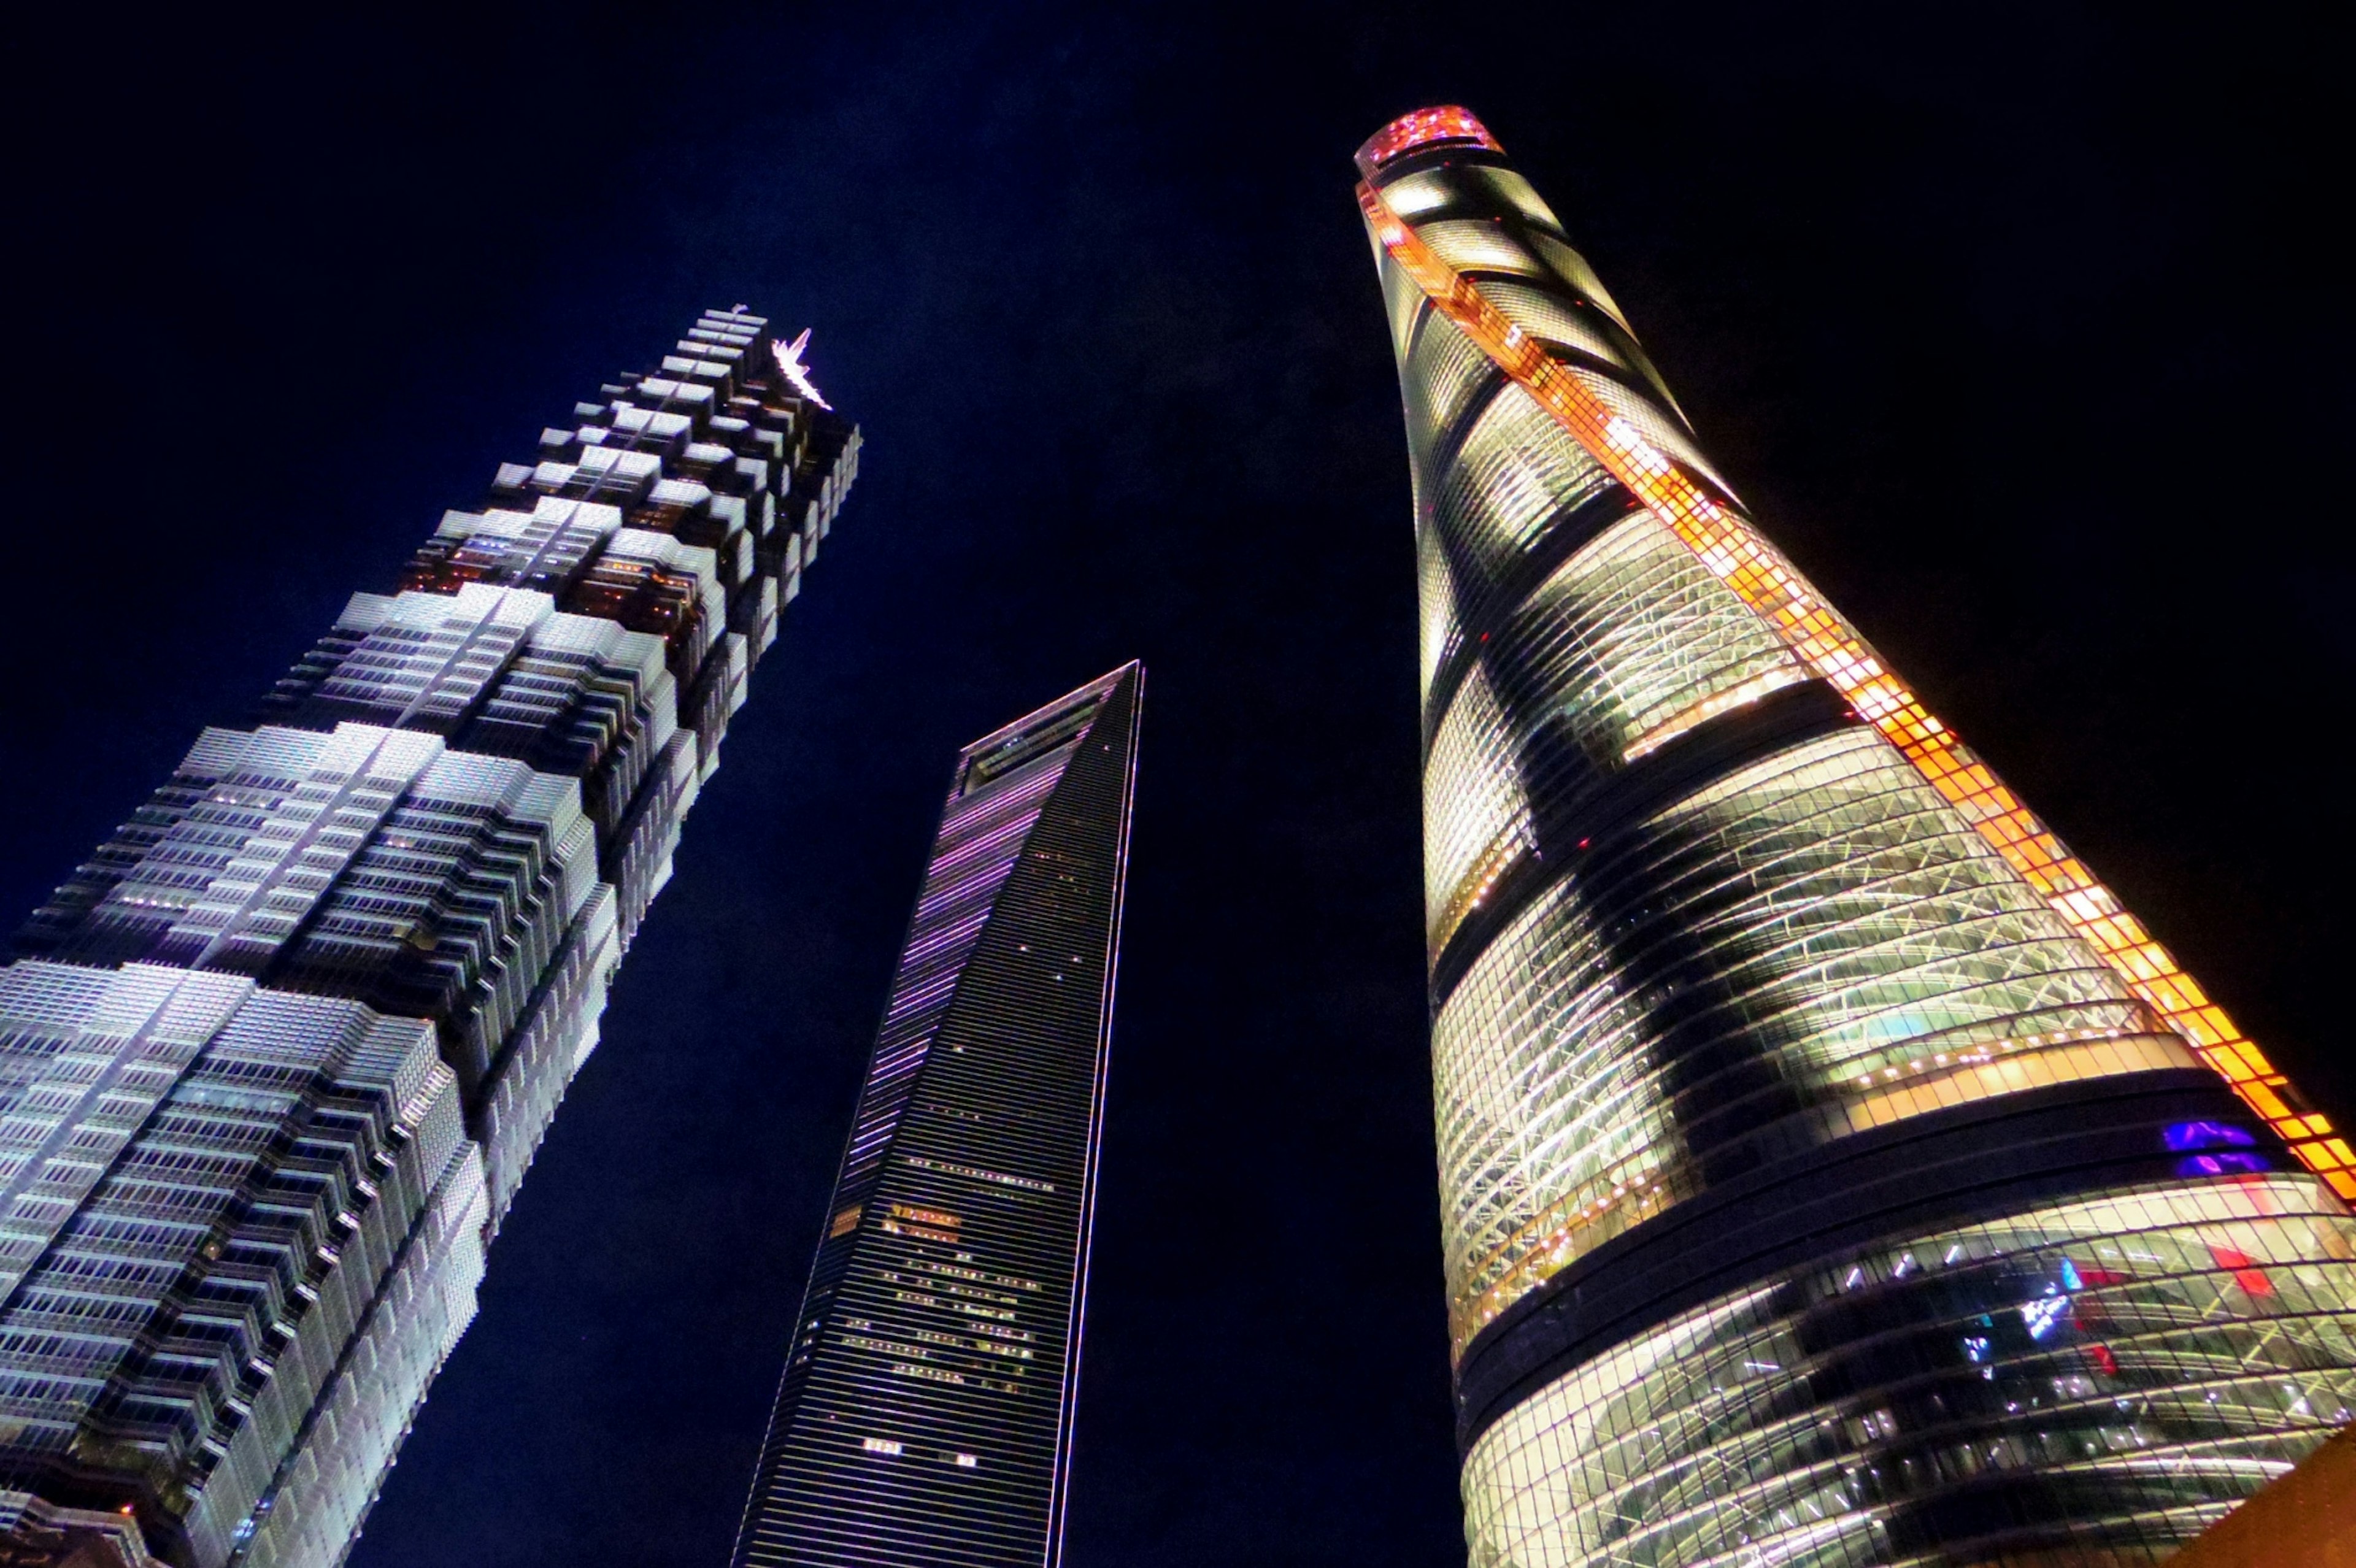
{"x":273,"y":1060}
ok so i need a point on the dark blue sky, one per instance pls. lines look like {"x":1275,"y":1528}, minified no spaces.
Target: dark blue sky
{"x":2018,"y":328}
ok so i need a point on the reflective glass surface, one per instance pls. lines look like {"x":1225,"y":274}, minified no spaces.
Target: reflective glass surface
{"x":1800,"y":1100}
{"x":2103,"y":1378}
{"x":1831,"y":922}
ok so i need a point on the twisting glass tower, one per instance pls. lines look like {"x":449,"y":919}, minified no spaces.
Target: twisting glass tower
{"x":925,"y":1420}
{"x":272,"y":1062}
{"x":1832,"y":1170}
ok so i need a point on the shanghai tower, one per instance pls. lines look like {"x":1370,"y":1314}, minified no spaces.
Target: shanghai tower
{"x":1832,"y":1170}
{"x":925,"y":1418}
{"x":274,"y":1060}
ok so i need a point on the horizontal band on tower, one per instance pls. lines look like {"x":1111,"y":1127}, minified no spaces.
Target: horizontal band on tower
{"x":1782,"y":718}
{"x":1942,"y":1168}
{"x":1477,"y":615}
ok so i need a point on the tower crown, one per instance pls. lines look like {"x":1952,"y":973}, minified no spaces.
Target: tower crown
{"x":1443,"y":124}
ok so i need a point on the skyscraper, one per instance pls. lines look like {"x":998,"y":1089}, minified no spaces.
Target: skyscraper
{"x":273,"y":1060}
{"x":1832,"y":1170}
{"x":925,"y":1419}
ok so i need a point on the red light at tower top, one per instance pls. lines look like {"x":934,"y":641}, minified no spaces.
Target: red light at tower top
{"x":1441,"y":125}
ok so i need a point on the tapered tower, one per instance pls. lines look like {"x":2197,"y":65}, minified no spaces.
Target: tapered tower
{"x":274,"y":1060}
{"x":1832,"y":1170}
{"x":925,"y":1420}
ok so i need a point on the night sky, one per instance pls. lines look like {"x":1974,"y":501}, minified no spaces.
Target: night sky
{"x":2021,"y":330}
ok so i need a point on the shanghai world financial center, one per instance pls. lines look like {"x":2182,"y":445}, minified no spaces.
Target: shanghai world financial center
{"x":1832,"y":1170}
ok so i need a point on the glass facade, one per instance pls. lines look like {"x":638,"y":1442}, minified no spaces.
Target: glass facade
{"x":926,"y":1414}
{"x":1832,"y":1172}
{"x":273,"y":1060}
{"x":2113,"y":1372}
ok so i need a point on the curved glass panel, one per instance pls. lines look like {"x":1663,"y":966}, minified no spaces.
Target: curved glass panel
{"x":1437,"y":633}
{"x":1511,"y":190}
{"x":1825,"y":920}
{"x":2104,"y":1377}
{"x":1551,"y":320}
{"x":1632,"y":633}
{"x":1623,"y":642}
{"x":1476,"y":245}
{"x":1450,"y":373}
{"x":1475,"y":817}
{"x":1663,"y":431}
{"x":1544,"y":1098}
{"x":1419,"y":195}
{"x":1731,"y":916}
{"x":1514,"y":473}
{"x":1572,"y":268}
{"x":1405,"y":306}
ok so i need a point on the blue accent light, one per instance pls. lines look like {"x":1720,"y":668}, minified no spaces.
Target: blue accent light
{"x":2223,"y":1164}
{"x":2206,"y":1135}
{"x":2040,"y":1315}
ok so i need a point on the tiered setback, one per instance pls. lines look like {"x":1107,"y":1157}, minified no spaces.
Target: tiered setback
{"x":1831,"y":1171}
{"x":274,"y":1061}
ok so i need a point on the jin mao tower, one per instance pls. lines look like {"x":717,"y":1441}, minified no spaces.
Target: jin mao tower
{"x":925,"y":1420}
{"x":273,"y":1060}
{"x":1832,"y":1172}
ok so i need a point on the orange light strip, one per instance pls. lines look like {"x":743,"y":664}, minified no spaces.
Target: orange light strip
{"x":1759,"y":574}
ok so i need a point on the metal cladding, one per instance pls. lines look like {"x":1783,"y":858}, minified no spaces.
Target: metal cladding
{"x":274,"y":1060}
{"x":925,"y":1419}
{"x":1832,"y":1170}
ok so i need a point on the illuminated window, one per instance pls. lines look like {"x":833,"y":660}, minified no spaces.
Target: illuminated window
{"x":1478,"y":245}
{"x":2103,"y":1338}
{"x":1871,"y":931}
{"x":1572,"y":269}
{"x":1551,"y":320}
{"x":1503,"y":185}
{"x":1446,"y":375}
{"x":1418,"y":196}
{"x":1514,"y":475}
